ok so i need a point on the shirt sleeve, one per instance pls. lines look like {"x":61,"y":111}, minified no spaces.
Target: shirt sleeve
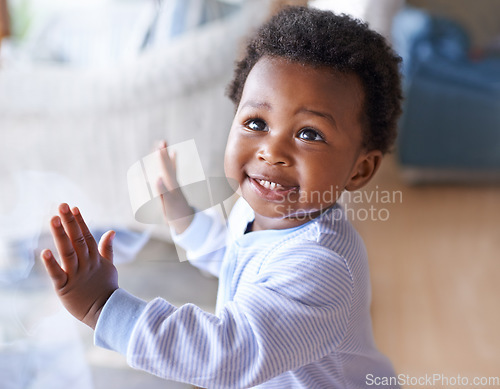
{"x":270,"y":327}
{"x":204,"y":240}
{"x":112,"y":331}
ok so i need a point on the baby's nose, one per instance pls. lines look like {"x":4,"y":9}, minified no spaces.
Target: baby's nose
{"x":275,"y":150}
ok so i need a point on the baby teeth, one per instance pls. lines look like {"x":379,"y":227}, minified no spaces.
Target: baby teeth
{"x":269,"y":185}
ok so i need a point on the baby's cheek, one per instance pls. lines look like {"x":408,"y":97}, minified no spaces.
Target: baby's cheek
{"x":232,"y":165}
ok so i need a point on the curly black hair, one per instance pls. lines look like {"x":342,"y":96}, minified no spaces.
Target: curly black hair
{"x":321,"y":38}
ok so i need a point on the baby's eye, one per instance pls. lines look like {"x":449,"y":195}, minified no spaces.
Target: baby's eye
{"x":310,"y":134}
{"x":256,"y":125}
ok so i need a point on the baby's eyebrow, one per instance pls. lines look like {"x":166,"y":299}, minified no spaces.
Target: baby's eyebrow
{"x":267,"y":106}
{"x":320,"y":114}
{"x":257,"y":104}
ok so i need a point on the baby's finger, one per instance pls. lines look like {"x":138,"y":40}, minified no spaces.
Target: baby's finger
{"x":58,"y":276}
{"x":162,"y":144}
{"x":173,"y":158}
{"x":160,"y":186}
{"x":168,"y":170}
{"x":87,"y":235}
{"x":106,"y":245}
{"x":74,"y":232}
{"x":64,"y":247}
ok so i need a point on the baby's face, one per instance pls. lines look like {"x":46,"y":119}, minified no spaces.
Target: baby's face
{"x":295,"y":142}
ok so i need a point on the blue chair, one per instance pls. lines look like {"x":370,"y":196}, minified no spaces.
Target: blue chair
{"x":450,"y":128}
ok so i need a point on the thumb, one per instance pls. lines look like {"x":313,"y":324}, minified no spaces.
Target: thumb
{"x":106,"y":245}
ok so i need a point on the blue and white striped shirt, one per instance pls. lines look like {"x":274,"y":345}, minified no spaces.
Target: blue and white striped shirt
{"x":292,"y":310}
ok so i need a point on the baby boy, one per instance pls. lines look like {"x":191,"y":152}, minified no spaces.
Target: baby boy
{"x":317,"y":101}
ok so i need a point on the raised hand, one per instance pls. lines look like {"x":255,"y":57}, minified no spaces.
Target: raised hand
{"x":176,"y":209}
{"x":87,"y":277}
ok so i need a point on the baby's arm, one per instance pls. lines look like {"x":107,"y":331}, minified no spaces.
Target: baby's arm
{"x":178,"y":213}
{"x":205,"y":241}
{"x":87,"y":277}
{"x":273,"y":324}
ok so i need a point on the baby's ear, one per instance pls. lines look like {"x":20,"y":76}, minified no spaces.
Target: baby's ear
{"x":365,"y":168}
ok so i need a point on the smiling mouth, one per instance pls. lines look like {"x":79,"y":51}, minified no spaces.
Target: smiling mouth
{"x":270,"y":185}
{"x":271,"y":190}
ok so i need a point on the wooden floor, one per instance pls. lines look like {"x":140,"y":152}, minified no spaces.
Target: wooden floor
{"x":435,"y":268}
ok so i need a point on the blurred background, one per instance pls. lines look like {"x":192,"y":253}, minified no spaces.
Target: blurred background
{"x":88,"y":87}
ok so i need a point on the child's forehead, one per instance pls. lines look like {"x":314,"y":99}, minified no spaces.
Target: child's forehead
{"x":271,"y":66}
{"x":299,"y":77}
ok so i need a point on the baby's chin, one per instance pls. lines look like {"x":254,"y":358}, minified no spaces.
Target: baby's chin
{"x":278,"y":219}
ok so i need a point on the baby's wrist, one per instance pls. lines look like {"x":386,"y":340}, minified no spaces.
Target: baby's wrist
{"x":92,"y":316}
{"x":181,"y":224}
